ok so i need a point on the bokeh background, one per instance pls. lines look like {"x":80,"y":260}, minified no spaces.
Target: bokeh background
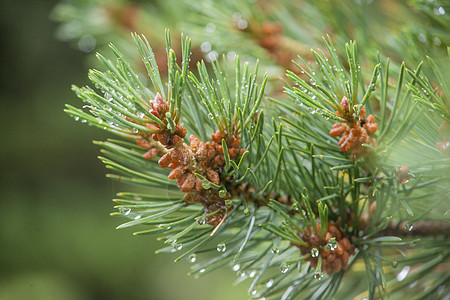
{"x":57,"y":240}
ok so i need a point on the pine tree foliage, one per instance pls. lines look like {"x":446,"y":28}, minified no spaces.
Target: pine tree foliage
{"x":335,"y":188}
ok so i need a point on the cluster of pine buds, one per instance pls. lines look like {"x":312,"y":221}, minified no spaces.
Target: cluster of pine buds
{"x":205,"y":159}
{"x":334,"y":254}
{"x":354,"y":132}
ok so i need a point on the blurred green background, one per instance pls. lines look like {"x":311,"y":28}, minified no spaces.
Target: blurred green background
{"x":57,"y":240}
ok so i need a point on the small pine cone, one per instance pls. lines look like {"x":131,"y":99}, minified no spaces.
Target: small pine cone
{"x":177,"y":141}
{"x":235,"y":142}
{"x":346,"y":143}
{"x":270,"y":41}
{"x":160,"y":105}
{"x":213,"y":176}
{"x":194,"y":142}
{"x":370,"y":125}
{"x":152,"y":127}
{"x":150,"y":154}
{"x":217,"y":137}
{"x":233,"y":152}
{"x":344,"y":104}
{"x":335,"y":231}
{"x":175,"y":173}
{"x":165,"y":160}
{"x":181,"y":131}
{"x":198,"y":184}
{"x":189,"y":183}
{"x":403,"y":175}
{"x":272,"y":28}
{"x":219,"y":160}
{"x":362,"y":113}
{"x":144,"y":144}
{"x":339,"y":129}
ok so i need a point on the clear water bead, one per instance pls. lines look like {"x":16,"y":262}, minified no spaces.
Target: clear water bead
{"x":221,"y":247}
{"x":314,"y":252}
{"x":192,"y":258}
{"x":284,"y":267}
{"x":124,"y":211}
{"x":236,"y":267}
{"x":177,"y":246}
{"x":318,"y":275}
{"x":275,"y":250}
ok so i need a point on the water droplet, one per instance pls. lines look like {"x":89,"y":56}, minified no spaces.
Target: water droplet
{"x":177,"y":246}
{"x":221,"y":247}
{"x":202,"y":271}
{"x":252,"y":274}
{"x":314,"y":252}
{"x":210,"y":27}
{"x":422,"y":37}
{"x":439,"y":11}
{"x":236,"y":267}
{"x":140,"y":114}
{"x":275,"y":250}
{"x":269,"y":283}
{"x":206,"y":185}
{"x":201,"y":221}
{"x":124,"y":211}
{"x":332,"y":243}
{"x":403,"y":273}
{"x":77,"y":118}
{"x":242,"y":24}
{"x":394,"y":264}
{"x":318,"y":276}
{"x":284,"y":267}
{"x":253,"y":292}
{"x":134,"y":130}
{"x":437,"y":41}
{"x":192,"y":258}
{"x":242,"y":274}
{"x":136,"y":217}
{"x":408,"y":227}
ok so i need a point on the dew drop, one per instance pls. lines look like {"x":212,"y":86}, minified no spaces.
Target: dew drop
{"x":192,"y":258}
{"x":210,"y":116}
{"x":136,"y":217}
{"x":394,"y":264}
{"x":253,"y":292}
{"x":236,"y":267}
{"x":439,"y":11}
{"x":318,"y":276}
{"x":242,"y":274}
{"x":177,"y":246}
{"x":403,"y":273}
{"x":124,"y":211}
{"x":332,"y":243}
{"x":206,"y":186}
{"x":408,"y":227}
{"x":284,"y":267}
{"x":314,"y":252}
{"x":77,"y":118}
{"x":269,"y":283}
{"x":202,"y":271}
{"x":252,"y":274}
{"x":275,"y":250}
{"x":221,"y":247}
{"x":201,"y":221}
